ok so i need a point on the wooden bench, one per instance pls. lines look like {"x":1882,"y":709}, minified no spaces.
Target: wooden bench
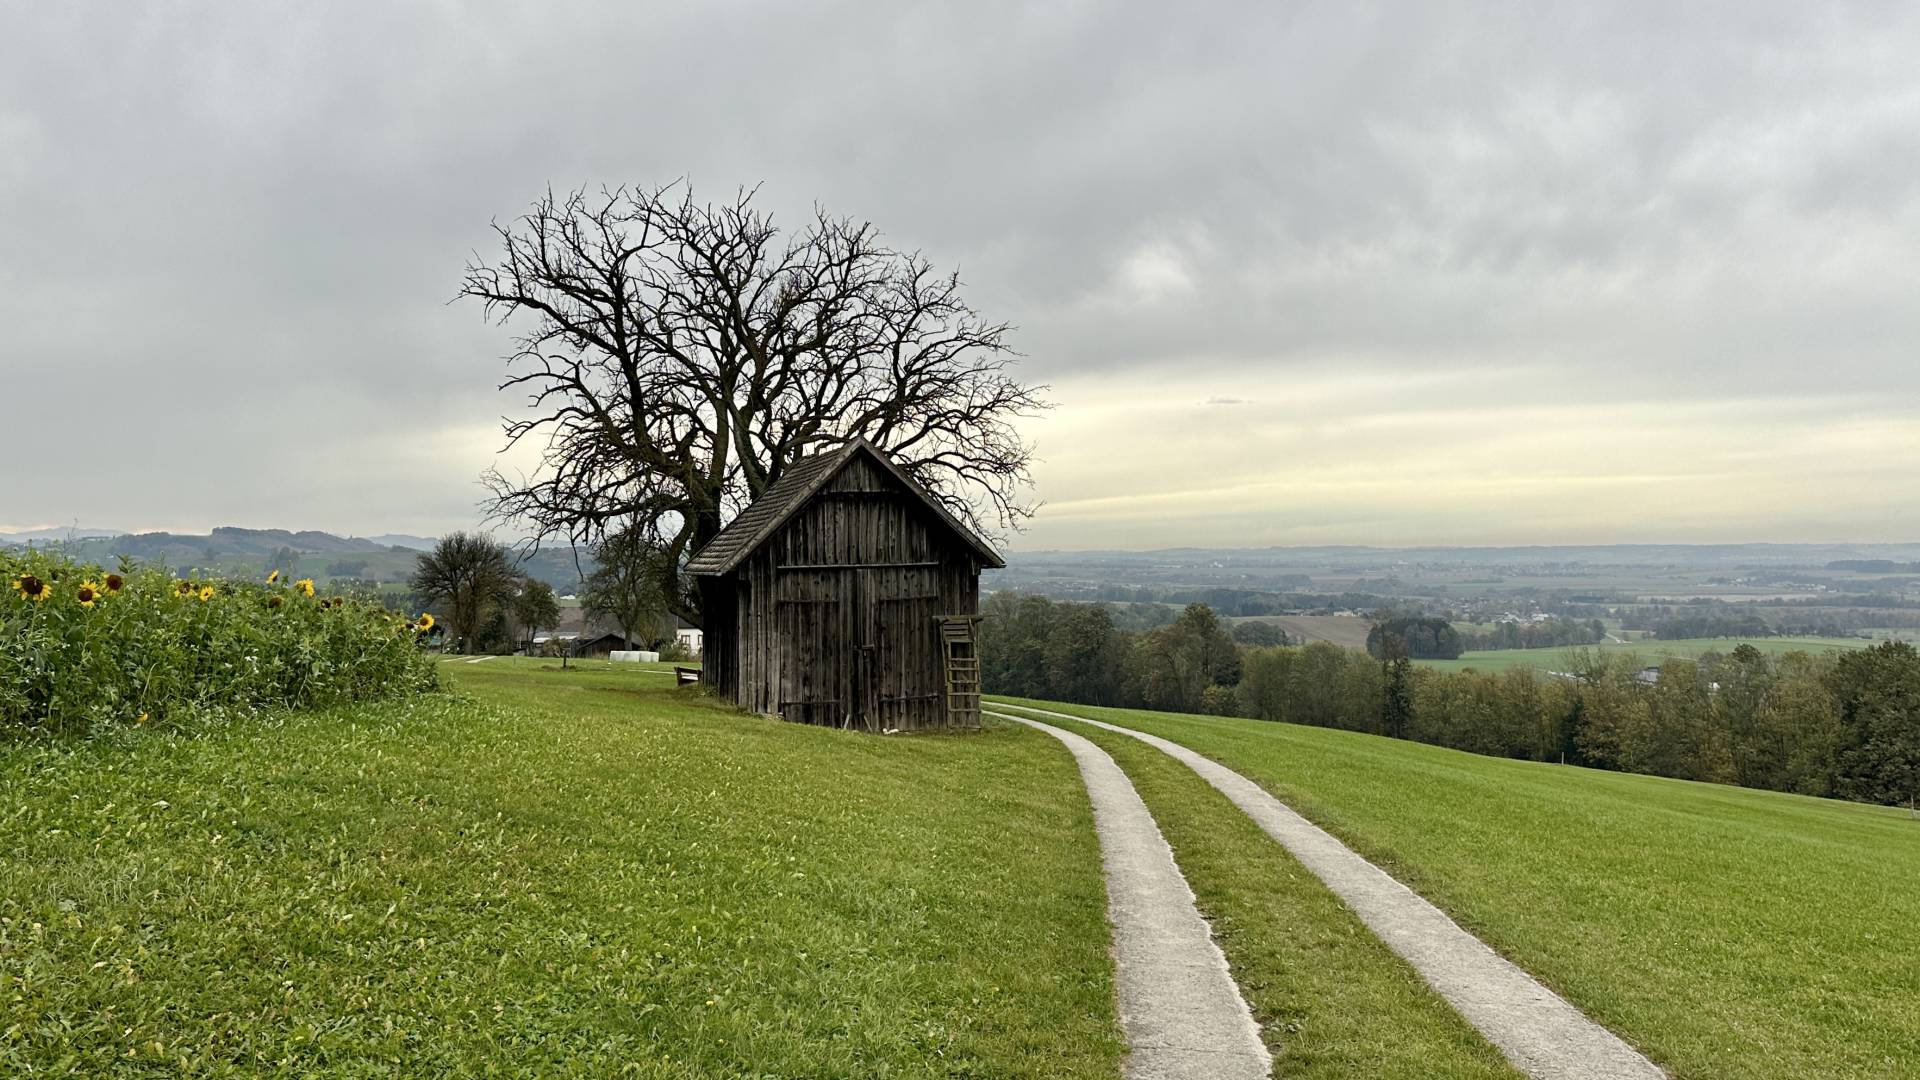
{"x":683,"y":676}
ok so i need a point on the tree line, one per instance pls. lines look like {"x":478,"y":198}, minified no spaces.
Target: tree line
{"x":1843,"y":724}
{"x":1553,"y":633}
{"x":1421,"y":637}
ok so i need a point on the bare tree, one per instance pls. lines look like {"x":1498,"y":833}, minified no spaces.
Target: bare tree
{"x":678,"y":356}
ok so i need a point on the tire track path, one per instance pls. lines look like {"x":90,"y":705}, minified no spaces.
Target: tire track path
{"x":1182,"y":1014}
{"x":1542,"y":1033}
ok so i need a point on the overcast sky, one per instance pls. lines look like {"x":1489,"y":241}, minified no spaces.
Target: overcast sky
{"x":1419,"y":274}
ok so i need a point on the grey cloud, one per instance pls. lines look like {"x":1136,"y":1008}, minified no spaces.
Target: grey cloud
{"x":230,"y":232}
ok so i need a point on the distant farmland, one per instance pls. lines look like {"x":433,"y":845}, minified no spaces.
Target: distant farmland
{"x":1347,"y":631}
{"x":1647,"y":649}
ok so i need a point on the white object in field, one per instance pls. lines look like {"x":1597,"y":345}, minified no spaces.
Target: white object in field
{"x":634,"y":656}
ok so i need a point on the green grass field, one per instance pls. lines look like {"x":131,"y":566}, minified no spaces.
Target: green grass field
{"x":534,"y":664}
{"x":1649,"y":650}
{"x":580,"y":873}
{"x":589,"y":872}
{"x":1729,"y":933}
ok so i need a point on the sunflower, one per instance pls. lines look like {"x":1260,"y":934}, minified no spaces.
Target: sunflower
{"x":115,"y":583}
{"x":30,"y":588}
{"x":141,"y":719}
{"x":273,"y":601}
{"x":304,"y":586}
{"x":426,"y":622}
{"x":273,"y":577}
{"x":184,"y":588}
{"x":206,"y":593}
{"x":87,"y":593}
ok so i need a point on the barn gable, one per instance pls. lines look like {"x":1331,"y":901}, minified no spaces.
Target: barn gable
{"x":805,"y":479}
{"x":845,"y":595}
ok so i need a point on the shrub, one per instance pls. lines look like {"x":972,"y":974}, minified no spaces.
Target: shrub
{"x":1217,"y":700}
{"x":83,"y":649}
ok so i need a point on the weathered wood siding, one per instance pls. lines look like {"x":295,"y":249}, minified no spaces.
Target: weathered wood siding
{"x":832,"y":620}
{"x":719,"y":649}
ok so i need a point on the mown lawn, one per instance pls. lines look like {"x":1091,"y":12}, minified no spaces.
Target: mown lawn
{"x":1729,"y":933}
{"x":1333,"y":1001}
{"x":558,"y":874}
{"x":651,"y":669}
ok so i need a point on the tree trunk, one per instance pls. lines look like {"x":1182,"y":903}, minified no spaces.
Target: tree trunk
{"x":681,"y":600}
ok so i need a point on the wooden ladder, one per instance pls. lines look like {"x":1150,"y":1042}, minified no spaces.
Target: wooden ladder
{"x":963,"y":670}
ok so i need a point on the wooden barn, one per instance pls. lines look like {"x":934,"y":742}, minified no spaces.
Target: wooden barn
{"x":846,"y":595}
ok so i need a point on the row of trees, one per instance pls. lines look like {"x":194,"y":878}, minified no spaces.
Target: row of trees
{"x":1035,"y":647}
{"x":1842,"y":724}
{"x":1706,"y":624}
{"x":490,"y":606}
{"x":1554,"y":633}
{"x":1423,"y":637}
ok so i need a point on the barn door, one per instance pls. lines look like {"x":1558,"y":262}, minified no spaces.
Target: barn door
{"x":818,"y":628}
{"x":861,"y":647}
{"x":902,"y":682}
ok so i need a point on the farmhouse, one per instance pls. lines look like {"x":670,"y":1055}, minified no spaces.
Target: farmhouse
{"x":600,"y":643}
{"x":578,"y":635}
{"x":846,"y":595}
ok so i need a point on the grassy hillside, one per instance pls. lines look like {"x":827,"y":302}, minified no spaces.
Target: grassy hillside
{"x":1650,"y":650}
{"x":1729,"y":933}
{"x":583,"y":873}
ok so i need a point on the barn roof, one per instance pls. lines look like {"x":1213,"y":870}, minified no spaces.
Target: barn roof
{"x":802,"y":480}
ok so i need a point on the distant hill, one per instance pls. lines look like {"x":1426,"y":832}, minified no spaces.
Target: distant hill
{"x":229,"y":540}
{"x":417,"y":543}
{"x":58,"y":532}
{"x":388,"y":559}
